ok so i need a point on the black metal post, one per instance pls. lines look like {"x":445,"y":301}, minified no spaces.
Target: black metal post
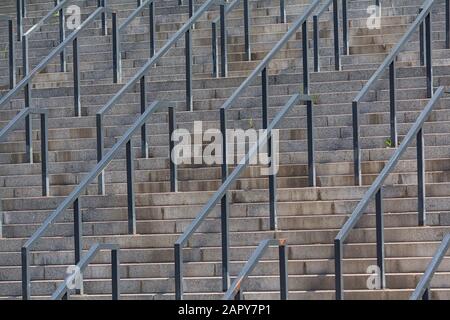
{"x":100,"y":148}
{"x":104,"y":4}
{"x":130,"y":189}
{"x":152,"y":29}
{"x":19,"y":20}
{"x":76,"y":78}
{"x":422,"y":42}
{"x":172,"y":159}
{"x":78,"y":235}
{"x":24,"y":8}
{"x":62,"y":37}
{"x":380,"y":236}
{"x":393,"y":103}
{"x":27,"y":92}
{"x":345,"y":27}
{"x":356,"y":148}
{"x":283,"y":272}
{"x":447,"y":24}
{"x":11,"y":55}
{"x":337,"y":55}
{"x":316,"y":39}
{"x":44,"y":155}
{"x":26,"y":284}
{"x":265,"y":123}
{"x":305,"y":58}
{"x":282,"y":12}
{"x":188,"y":54}
{"x":178,"y":272}
{"x":115,"y":274}
{"x":214,"y":50}
{"x":224,"y":204}
{"x":426,"y":295}
{"x":144,"y":102}
{"x":248,"y":51}
{"x":429,"y":57}
{"x":117,"y":54}
{"x":338,"y":276}
{"x":421,"y":178}
{"x":311,"y":143}
{"x":223,"y":43}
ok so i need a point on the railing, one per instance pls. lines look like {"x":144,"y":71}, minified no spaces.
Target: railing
{"x":25,"y":83}
{"x":236,"y":292}
{"x":22,"y":116}
{"x":422,"y":290}
{"x":316,"y":33}
{"x":376,"y":191}
{"x":424,"y":17}
{"x":63,"y":291}
{"x":224,"y":10}
{"x":141,"y":77}
{"x":221,"y":194}
{"x":117,"y":53}
{"x":73,"y":197}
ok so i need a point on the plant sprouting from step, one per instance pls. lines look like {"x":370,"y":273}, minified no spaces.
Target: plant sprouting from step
{"x":389,"y":143}
{"x":315,"y":99}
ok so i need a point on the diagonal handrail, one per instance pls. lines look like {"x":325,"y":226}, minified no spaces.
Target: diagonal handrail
{"x":422,"y":290}
{"x":376,"y":191}
{"x":235,"y":291}
{"x":63,"y":291}
{"x":424,"y":17}
{"x":221,"y":19}
{"x":73,"y":197}
{"x":219,"y":195}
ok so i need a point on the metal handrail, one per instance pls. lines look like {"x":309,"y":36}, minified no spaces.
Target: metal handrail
{"x":26,"y":81}
{"x":22,"y":116}
{"x":219,"y":195}
{"x":267,"y":59}
{"x":422,"y":290}
{"x":376,"y":190}
{"x":316,"y":37}
{"x":140,"y":77}
{"x":40,"y":23}
{"x":116,"y":30}
{"x":424,"y":17}
{"x":63,"y":291}
{"x":73,"y":197}
{"x":224,"y":10}
{"x":235,"y":290}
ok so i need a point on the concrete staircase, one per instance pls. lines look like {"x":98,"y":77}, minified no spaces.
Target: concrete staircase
{"x":309,"y":218}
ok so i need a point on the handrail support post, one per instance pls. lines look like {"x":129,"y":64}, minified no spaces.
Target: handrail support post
{"x":283,"y":265}
{"x":223,"y":43}
{"x":130,"y":189}
{"x":224,"y":204}
{"x":44,"y":155}
{"x":421,"y":178}
{"x":172,"y":157}
{"x":393,"y":103}
{"x":380,"y":237}
{"x":11,"y":55}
